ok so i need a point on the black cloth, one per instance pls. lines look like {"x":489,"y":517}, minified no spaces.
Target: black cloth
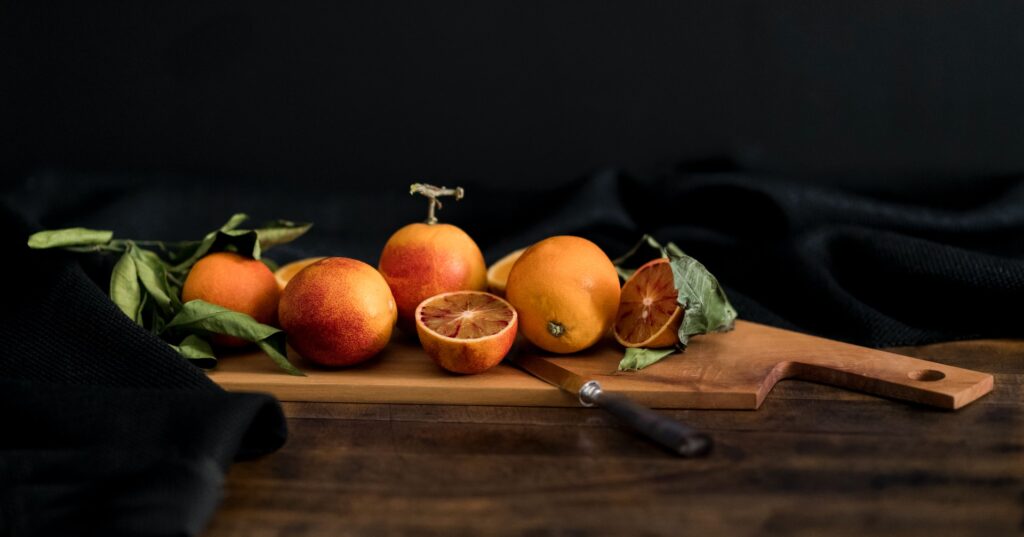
{"x":851,"y":267}
{"x":108,"y":430}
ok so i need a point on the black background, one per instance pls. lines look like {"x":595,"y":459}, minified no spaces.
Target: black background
{"x":849,"y":169}
{"x":877,"y":96}
{"x":842,"y":167}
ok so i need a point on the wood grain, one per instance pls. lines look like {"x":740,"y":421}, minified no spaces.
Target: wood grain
{"x":735,"y":371}
{"x":812,"y":461}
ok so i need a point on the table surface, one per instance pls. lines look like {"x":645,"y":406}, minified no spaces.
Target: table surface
{"x":814,"y":460}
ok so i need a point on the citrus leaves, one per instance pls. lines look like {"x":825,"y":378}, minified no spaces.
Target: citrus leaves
{"x":202,"y":318}
{"x":637,"y":358}
{"x":70,"y":237}
{"x":706,"y":307}
{"x":125,"y":290}
{"x":153,"y":275}
{"x":146,"y":285}
{"x":280,"y":232}
{"x":248,"y":242}
{"x":197,"y":350}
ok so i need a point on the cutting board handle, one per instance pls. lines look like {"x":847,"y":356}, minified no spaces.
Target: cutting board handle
{"x":890,"y":375}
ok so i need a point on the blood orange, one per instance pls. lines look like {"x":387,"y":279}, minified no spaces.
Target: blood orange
{"x":649,"y":314}
{"x":425,"y":259}
{"x":466,"y":331}
{"x":338,"y":312}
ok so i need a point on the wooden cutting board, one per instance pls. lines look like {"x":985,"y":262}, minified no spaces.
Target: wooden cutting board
{"x":735,"y":370}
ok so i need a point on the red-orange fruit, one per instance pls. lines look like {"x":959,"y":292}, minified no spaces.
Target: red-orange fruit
{"x":466,"y":331}
{"x":649,"y":314}
{"x":423,"y":260}
{"x":238,"y":283}
{"x":337,"y":312}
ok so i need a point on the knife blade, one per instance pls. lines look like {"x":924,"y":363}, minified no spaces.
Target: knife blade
{"x":680,"y":439}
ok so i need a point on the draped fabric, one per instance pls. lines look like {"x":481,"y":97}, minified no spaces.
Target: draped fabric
{"x":108,"y":431}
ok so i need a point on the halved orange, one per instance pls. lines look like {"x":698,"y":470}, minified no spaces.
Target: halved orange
{"x":649,"y":314}
{"x":466,"y":331}
{"x":287,"y":272}
{"x":497,"y":274}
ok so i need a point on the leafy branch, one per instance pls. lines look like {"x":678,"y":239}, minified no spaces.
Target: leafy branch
{"x":146,"y":285}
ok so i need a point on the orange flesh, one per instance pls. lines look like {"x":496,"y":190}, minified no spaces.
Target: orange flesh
{"x":501,"y":271}
{"x":647,"y":304}
{"x":466,"y":316}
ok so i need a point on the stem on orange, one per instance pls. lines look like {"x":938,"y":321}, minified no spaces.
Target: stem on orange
{"x":432,"y":193}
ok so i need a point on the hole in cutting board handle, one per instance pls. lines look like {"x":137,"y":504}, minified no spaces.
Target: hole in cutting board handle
{"x":926,"y":375}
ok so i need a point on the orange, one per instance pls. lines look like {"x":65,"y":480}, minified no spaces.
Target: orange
{"x":649,"y":314}
{"x":497,"y":274}
{"x":238,"y":283}
{"x":466,"y":331}
{"x":423,"y":260}
{"x":285,"y":273}
{"x":337,"y":312}
{"x":566,"y":291}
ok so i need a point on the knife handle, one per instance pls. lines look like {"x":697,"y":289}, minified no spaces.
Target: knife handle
{"x":678,"y":438}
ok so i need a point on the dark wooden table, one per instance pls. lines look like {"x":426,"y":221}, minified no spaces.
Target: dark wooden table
{"x":813,"y":460}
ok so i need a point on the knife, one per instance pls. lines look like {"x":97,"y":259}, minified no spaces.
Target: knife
{"x":678,"y":438}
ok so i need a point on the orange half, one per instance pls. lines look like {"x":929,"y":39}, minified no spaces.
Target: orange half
{"x":497,"y":274}
{"x":466,"y":331}
{"x":287,"y":272}
{"x":649,"y":314}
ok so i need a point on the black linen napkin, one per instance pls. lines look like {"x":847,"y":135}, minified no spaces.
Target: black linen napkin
{"x":106,"y":430}
{"x":916,"y":268}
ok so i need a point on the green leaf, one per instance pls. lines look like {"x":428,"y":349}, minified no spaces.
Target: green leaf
{"x":199,"y":317}
{"x":645,"y":240}
{"x":229,"y":238}
{"x":241,"y":241}
{"x":153,"y":275}
{"x":707,"y":309}
{"x":277,"y":350}
{"x":198,"y":351}
{"x":673,"y":251}
{"x":636,"y":359}
{"x":193,"y":251}
{"x":235,"y":221}
{"x":280,"y":232}
{"x":75,"y":236}
{"x":669,"y":250}
{"x":157,"y":319}
{"x":124,"y":287}
{"x":185,"y":253}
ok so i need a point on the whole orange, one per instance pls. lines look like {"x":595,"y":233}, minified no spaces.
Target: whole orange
{"x":423,"y":260}
{"x":337,"y":312}
{"x":235,"y":282}
{"x":566,"y":291}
